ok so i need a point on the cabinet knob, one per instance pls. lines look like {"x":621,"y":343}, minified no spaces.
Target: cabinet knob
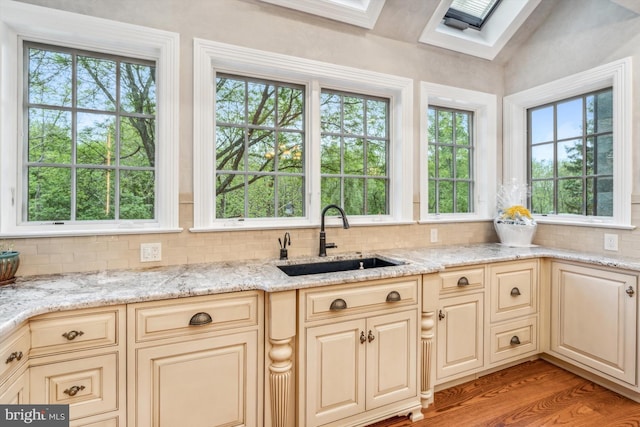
{"x":440,"y":314}
{"x":200,"y":319}
{"x":515,"y":340}
{"x":463,"y":281}
{"x":515,"y":292}
{"x":338,"y":304}
{"x":370,"y":337}
{"x":74,"y":390}
{"x":630,"y":292}
{"x":362,"y":337}
{"x":72,"y":335}
{"x":394,"y":296}
{"x":16,"y":355}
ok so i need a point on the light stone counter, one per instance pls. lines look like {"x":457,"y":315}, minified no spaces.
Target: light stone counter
{"x":31,"y":296}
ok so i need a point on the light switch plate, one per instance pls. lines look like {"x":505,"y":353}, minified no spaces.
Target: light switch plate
{"x":610,"y":242}
{"x":434,"y":235}
{"x":150,"y":252}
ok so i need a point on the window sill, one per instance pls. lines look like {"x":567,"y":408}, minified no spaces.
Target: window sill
{"x":330,"y":221}
{"x":19,"y":234}
{"x":594,"y":223}
{"x":445,"y":219}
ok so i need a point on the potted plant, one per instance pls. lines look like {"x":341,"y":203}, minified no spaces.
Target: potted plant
{"x":9,"y":263}
{"x":514,"y":224}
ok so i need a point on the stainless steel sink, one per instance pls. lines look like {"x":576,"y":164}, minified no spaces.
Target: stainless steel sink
{"x":335,"y":266}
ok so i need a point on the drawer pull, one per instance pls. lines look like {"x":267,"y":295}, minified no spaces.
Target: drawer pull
{"x":515,"y":292}
{"x":74,"y":390}
{"x":362,"y":337}
{"x":338,"y":304}
{"x":515,"y":340}
{"x":370,"y":337}
{"x":440,"y":314}
{"x":463,"y":281}
{"x":394,"y":296}
{"x":200,"y":319}
{"x":16,"y":355}
{"x":72,"y":335}
{"x":630,"y":292}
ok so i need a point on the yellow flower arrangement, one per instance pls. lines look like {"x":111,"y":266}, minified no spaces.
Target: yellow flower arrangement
{"x":515,"y":212}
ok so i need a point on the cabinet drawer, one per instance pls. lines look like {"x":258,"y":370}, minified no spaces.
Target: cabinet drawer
{"x":14,"y":351}
{"x":514,"y":339}
{"x":347,"y":300}
{"x":88,"y":385}
{"x":75,"y":330}
{"x":514,"y":289}
{"x":462,"y":280}
{"x":171,"y":318}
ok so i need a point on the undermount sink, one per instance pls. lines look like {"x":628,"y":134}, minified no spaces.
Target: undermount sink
{"x":335,"y":266}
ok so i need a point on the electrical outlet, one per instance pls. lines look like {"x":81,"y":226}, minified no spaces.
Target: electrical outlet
{"x":611,"y":242}
{"x":434,"y":235}
{"x":150,"y":252}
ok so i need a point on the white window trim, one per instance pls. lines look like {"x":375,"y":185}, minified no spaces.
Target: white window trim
{"x":484,"y":106}
{"x":363,"y":13}
{"x":20,"y":21}
{"x":211,"y":57}
{"x":618,"y":75}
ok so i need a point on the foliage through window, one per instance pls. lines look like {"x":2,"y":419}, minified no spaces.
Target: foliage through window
{"x":571,"y":156}
{"x":450,"y":160}
{"x":354,"y":152}
{"x":91,"y":144}
{"x":260,"y":133}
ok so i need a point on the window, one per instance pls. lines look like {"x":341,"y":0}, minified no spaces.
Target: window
{"x":311,"y":133}
{"x":450,"y":161}
{"x":470,"y":13}
{"x":355,"y":143}
{"x":458,"y":154}
{"x":90,"y":149}
{"x":578,"y":155}
{"x":571,"y":156}
{"x":89,"y":142}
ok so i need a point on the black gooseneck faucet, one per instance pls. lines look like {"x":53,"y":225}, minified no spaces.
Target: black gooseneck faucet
{"x":323,"y":236}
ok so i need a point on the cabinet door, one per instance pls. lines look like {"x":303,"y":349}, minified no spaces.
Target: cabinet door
{"x":460,"y":335}
{"x":391,"y":358}
{"x":16,"y":390}
{"x":335,"y":371}
{"x":200,"y":383}
{"x":593,"y":318}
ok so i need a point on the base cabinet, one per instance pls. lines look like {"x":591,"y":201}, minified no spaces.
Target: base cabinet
{"x":594,"y":318}
{"x":16,"y":390}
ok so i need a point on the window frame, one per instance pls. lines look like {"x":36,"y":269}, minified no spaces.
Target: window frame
{"x":211,"y":57}
{"x":484,"y":134}
{"x":23,"y":22}
{"x":618,"y":76}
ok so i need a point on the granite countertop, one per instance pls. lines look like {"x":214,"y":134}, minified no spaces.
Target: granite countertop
{"x":35,"y":295}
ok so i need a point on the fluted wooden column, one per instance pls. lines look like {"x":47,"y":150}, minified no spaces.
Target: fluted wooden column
{"x":280,"y":377}
{"x":427,"y":337}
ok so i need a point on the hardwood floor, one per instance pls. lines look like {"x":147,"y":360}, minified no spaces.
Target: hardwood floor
{"x":534,"y":393}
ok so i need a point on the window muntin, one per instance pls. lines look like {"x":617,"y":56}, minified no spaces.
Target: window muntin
{"x":354,"y":152}
{"x":90,"y":130}
{"x":260,"y":134}
{"x":571,"y":156}
{"x":450,"y":160}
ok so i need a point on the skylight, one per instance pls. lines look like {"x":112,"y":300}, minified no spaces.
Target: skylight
{"x":463,"y":14}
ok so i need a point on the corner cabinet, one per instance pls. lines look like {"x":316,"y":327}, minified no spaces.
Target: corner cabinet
{"x":359,"y":353}
{"x":594,"y":319}
{"x":196,"y":361}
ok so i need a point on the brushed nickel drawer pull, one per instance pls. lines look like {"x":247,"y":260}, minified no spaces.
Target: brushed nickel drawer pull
{"x":74,"y":390}
{"x":515,"y":340}
{"x":630,"y":292}
{"x":16,"y":355}
{"x":72,"y":335}
{"x":394,"y":296}
{"x":371,"y":337}
{"x":515,"y":292}
{"x":463,"y":281}
{"x":338,"y":304}
{"x":200,"y":319}
{"x":362,"y":337}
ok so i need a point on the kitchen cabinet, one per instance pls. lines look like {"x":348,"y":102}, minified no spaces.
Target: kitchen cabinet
{"x":14,"y":375}
{"x":78,"y":358}
{"x":359,"y":353}
{"x":196,"y":361}
{"x":460,"y":327}
{"x":15,"y":390}
{"x":594,"y":319}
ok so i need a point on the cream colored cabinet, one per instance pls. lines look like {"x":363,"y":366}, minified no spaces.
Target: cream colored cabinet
{"x":14,"y":375}
{"x":460,"y":327}
{"x":594,"y":319}
{"x":15,"y":390}
{"x":196,"y":361}
{"x":78,"y":358}
{"x":514,"y":291}
{"x":358,"y":353}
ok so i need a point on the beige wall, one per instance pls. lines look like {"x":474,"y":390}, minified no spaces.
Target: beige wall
{"x":259,"y":25}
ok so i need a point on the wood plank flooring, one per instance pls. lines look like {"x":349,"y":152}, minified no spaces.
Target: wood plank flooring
{"x":534,"y":393}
